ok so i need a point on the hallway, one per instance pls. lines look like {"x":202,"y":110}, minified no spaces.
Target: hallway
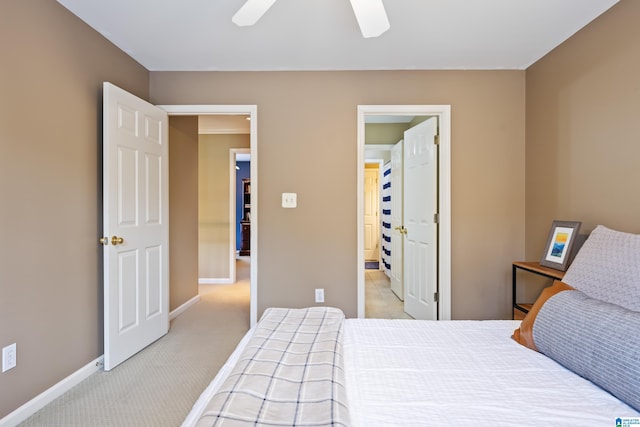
{"x":380,"y":301}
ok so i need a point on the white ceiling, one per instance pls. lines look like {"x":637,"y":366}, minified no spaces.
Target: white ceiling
{"x":191,"y":35}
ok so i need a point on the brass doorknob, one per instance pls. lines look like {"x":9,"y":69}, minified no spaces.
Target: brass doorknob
{"x":104,"y":241}
{"x":115,"y":240}
{"x":401,"y":229}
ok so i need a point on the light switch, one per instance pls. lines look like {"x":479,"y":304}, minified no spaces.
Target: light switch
{"x":289,"y":200}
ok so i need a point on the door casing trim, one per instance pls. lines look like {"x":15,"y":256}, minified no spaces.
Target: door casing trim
{"x":233,"y":220}
{"x":252,"y":111}
{"x":443,"y":112}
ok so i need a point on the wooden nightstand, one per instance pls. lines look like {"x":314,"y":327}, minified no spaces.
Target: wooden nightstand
{"x":535,"y":268}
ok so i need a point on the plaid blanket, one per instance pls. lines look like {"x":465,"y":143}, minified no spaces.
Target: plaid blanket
{"x":290,"y":374}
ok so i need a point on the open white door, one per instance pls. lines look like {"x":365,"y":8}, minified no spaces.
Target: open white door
{"x":136,"y":227}
{"x":397,"y":238}
{"x":420,"y":207}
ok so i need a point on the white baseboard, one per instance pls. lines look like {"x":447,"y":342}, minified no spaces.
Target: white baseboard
{"x":225,"y":281}
{"x":184,"y":307}
{"x":49,"y":395}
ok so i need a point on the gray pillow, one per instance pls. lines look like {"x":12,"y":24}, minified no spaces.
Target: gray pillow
{"x":596,"y":340}
{"x":607,"y":267}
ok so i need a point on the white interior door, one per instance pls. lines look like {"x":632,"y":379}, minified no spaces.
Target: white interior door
{"x":371,"y":218}
{"x":397,"y":238}
{"x":420,"y":206}
{"x":136,"y":213}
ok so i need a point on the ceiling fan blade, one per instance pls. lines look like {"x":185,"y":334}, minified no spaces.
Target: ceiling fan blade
{"x":371,"y":17}
{"x":251,"y":11}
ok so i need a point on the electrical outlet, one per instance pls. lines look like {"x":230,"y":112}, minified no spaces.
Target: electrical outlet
{"x":320,"y":295}
{"x":289,"y":200}
{"x":9,"y":359}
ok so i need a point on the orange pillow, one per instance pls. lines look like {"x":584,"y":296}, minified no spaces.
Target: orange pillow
{"x":524,"y":334}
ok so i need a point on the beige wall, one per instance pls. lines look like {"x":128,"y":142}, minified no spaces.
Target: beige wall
{"x":307,"y":144}
{"x":183,"y":209}
{"x":583,"y":130}
{"x":213,"y":212}
{"x":51,"y":77}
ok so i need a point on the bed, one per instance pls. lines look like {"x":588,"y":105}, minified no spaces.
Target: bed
{"x":574,"y":360}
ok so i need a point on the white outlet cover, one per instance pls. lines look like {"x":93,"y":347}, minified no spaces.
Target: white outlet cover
{"x":9,"y":357}
{"x":289,"y":200}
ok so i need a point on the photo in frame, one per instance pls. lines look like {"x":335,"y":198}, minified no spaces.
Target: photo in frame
{"x":558,"y":251}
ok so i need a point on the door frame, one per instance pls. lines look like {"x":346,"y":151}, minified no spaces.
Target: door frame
{"x":379,"y":163}
{"x":443,"y":112}
{"x":372,"y":155}
{"x":233,"y":219}
{"x":252,"y":112}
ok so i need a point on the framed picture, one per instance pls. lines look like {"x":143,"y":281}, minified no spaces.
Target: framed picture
{"x":557,"y":253}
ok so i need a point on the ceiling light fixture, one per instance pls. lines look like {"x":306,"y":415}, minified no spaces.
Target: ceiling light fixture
{"x":370,"y":14}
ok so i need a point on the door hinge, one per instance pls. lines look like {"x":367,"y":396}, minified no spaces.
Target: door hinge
{"x":435,"y":297}
{"x":436,"y":139}
{"x":436,"y":218}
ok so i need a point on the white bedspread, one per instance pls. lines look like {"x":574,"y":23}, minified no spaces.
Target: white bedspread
{"x":463,"y":373}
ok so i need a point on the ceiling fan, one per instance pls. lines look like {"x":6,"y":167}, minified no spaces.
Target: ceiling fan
{"x":370,"y":15}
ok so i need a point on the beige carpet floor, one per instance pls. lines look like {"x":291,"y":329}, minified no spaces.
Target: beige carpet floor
{"x":158,"y":386}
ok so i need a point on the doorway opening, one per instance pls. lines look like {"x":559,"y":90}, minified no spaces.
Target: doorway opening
{"x":251,"y":112}
{"x":442,"y":114}
{"x":240,"y":179}
{"x":372,"y":218}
